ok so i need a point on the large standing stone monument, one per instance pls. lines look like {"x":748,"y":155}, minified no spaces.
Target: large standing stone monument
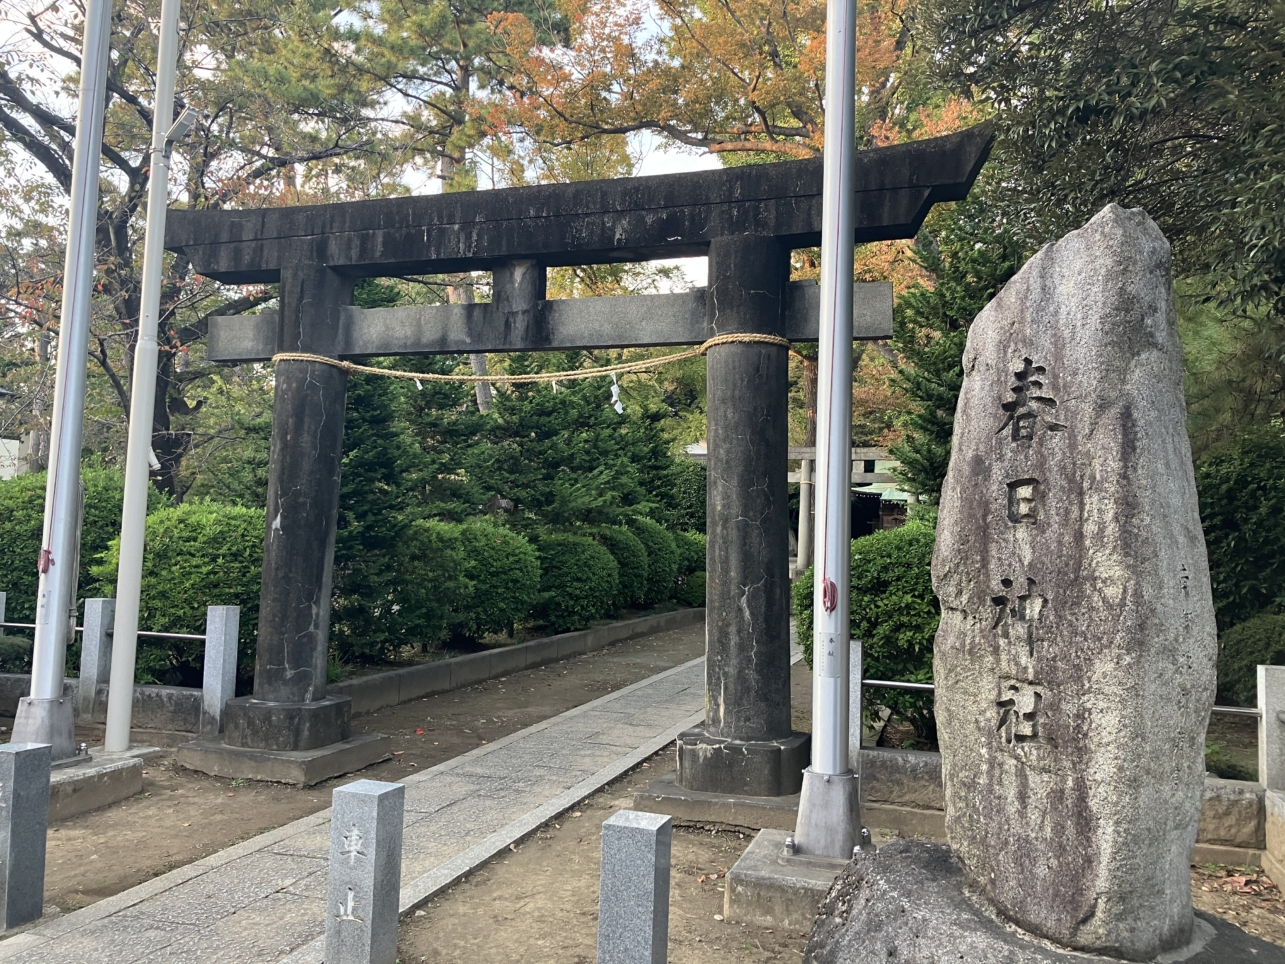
{"x":1075,"y":658}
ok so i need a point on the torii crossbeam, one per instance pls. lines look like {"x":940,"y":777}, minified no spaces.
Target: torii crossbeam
{"x":745,"y":220}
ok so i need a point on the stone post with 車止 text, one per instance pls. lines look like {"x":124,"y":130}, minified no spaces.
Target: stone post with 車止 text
{"x":1075,"y":658}
{"x":364,"y":887}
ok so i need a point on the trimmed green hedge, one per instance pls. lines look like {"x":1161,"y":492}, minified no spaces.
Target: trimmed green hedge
{"x":894,"y":612}
{"x":1241,"y":650}
{"x":692,"y":590}
{"x":688,"y":494}
{"x":196,"y":555}
{"x":22,"y":512}
{"x":579,"y":582}
{"x":502,"y":570}
{"x":662,"y":559}
{"x":631,"y":556}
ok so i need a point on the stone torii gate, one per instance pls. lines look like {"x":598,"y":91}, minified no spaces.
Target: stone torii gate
{"x":746,"y":220}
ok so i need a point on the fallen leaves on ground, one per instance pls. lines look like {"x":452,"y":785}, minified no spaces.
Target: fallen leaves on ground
{"x":1243,"y":895}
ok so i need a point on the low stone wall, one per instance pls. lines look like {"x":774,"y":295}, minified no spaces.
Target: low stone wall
{"x":402,"y":685}
{"x":901,"y":785}
{"x":175,"y":708}
{"x":178,"y":708}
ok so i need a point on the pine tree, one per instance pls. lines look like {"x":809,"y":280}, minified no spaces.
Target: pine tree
{"x":970,"y":257}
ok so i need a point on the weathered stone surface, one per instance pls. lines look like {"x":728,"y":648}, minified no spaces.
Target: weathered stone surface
{"x":1075,"y":659}
{"x":910,"y":904}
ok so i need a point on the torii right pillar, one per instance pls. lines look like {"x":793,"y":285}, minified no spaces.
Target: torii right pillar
{"x":746,"y":746}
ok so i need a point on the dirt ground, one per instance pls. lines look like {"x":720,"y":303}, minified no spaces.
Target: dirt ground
{"x":539,"y":903}
{"x":1242,"y":895}
{"x":182,"y":815}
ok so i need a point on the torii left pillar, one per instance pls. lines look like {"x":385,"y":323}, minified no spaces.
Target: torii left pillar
{"x":290,"y":730}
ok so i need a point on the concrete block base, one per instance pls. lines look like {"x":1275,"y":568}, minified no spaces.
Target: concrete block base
{"x":300,"y":767}
{"x":47,"y":721}
{"x":764,"y":768}
{"x":769,"y":889}
{"x":694,"y":808}
{"x":106,"y":779}
{"x":266,"y":725}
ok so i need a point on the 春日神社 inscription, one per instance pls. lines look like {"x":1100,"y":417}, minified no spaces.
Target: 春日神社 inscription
{"x":1074,"y":662}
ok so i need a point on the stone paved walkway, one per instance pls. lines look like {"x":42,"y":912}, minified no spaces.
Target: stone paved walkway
{"x":264,"y":900}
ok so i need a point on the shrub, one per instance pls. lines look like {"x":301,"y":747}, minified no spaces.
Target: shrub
{"x":430,"y":589}
{"x":894,"y":612}
{"x":22,"y":512}
{"x":630,"y":555}
{"x":195,"y":555}
{"x":691,"y":552}
{"x":1241,"y":650}
{"x":1242,"y":509}
{"x":579,"y":582}
{"x":662,"y":558}
{"x":687,"y":497}
{"x":692,"y":590}
{"x":502,"y":572}
{"x":15,"y":654}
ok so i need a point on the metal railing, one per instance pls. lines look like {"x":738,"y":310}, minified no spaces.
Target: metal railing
{"x":81,"y":629}
{"x":929,"y":688}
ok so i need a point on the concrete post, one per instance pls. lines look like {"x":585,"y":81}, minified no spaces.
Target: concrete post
{"x":95,"y":654}
{"x":746,"y":745}
{"x":633,"y":890}
{"x":365,"y":873}
{"x":24,"y":821}
{"x":806,"y":485}
{"x":2,"y":600}
{"x":1271,"y":729}
{"x":218,"y":685}
{"x":290,"y":710}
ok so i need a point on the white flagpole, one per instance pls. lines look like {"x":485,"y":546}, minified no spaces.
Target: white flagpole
{"x":142,"y":403}
{"x":829,"y":822}
{"x":45,"y":717}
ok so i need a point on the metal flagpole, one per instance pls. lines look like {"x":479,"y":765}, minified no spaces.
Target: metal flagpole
{"x":829,"y":822}
{"x":45,"y":717}
{"x":129,"y":574}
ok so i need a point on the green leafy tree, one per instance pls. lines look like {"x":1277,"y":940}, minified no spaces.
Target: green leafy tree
{"x":1173,"y":106}
{"x":379,"y":478}
{"x":1242,"y":509}
{"x":970,"y":254}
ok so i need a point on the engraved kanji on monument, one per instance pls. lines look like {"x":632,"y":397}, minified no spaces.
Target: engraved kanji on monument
{"x":1075,"y":659}
{"x":364,"y":887}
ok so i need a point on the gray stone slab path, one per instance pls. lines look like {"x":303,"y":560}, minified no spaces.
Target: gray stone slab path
{"x":264,"y":900}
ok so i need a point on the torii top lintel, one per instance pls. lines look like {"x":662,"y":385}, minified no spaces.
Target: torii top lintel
{"x":587,"y":222}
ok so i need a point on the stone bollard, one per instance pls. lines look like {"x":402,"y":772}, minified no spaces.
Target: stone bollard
{"x":24,"y":821}
{"x":222,"y":628}
{"x":1271,"y":729}
{"x":365,"y":873}
{"x":95,"y":655}
{"x":633,"y":892}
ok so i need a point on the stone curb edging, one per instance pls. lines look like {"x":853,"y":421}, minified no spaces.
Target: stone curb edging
{"x":396,"y":686}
